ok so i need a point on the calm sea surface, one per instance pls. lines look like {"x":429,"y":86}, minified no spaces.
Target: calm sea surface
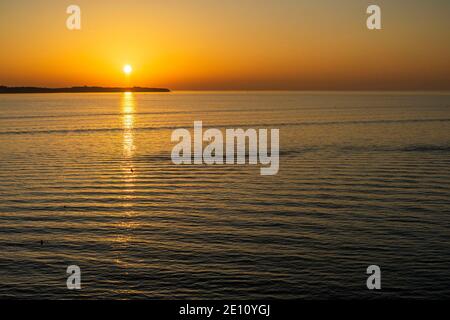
{"x":364,"y":179}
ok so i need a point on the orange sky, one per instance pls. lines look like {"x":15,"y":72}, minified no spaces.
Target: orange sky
{"x":214,"y":45}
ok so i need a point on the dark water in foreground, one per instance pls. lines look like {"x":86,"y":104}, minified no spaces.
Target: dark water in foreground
{"x":364,"y":179}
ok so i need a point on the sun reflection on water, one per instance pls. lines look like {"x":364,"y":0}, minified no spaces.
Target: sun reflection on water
{"x":127,"y":224}
{"x":128,"y":109}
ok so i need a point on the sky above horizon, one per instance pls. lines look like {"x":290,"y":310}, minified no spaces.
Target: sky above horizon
{"x":227,"y":45}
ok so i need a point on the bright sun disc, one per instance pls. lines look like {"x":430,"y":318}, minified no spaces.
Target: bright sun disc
{"x":127,"y":69}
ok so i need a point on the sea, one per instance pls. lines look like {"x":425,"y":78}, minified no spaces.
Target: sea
{"x":87,"y":180}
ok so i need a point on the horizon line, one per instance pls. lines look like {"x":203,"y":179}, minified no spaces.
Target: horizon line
{"x":223,"y":89}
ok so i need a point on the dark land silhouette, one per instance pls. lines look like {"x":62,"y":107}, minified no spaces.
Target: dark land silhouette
{"x":4,"y":89}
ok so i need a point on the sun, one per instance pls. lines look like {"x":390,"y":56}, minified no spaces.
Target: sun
{"x":127,"y":69}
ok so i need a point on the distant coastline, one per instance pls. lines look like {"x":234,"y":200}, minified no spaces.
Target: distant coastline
{"x":84,"y":89}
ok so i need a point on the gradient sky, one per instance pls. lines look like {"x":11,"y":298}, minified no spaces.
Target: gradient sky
{"x":233,"y":44}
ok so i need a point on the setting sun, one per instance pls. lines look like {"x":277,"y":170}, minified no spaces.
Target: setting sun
{"x":127,"y":69}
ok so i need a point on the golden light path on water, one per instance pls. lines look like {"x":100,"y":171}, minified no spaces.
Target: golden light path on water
{"x":128,"y":109}
{"x":127,"y":106}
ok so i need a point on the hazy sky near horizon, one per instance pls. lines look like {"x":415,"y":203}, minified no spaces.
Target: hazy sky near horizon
{"x":235,"y":44}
